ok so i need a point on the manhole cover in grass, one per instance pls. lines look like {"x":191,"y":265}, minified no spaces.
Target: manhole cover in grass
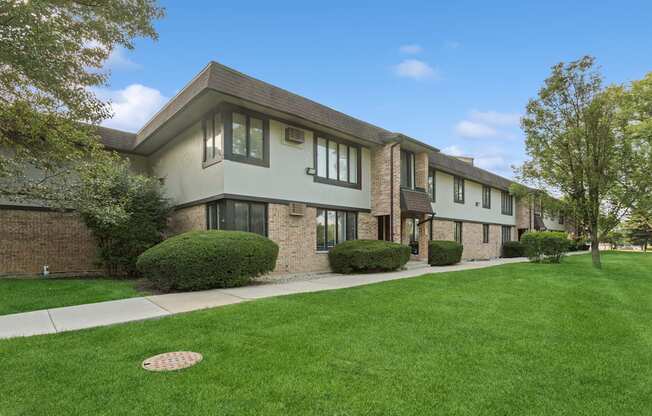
{"x":171,"y":361}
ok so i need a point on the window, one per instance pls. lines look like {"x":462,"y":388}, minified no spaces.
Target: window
{"x":407,"y":169}
{"x":486,"y":196}
{"x":507,"y":203}
{"x":333,"y":227}
{"x":458,"y":231}
{"x":458,"y":189}
{"x":506,"y":233}
{"x":247,"y":137}
{"x":432,"y":185}
{"x":212,"y":144}
{"x":337,"y":163}
{"x":561,"y":218}
{"x":234,"y":215}
{"x":485,"y":233}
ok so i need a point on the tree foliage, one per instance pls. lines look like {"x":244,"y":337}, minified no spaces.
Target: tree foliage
{"x":639,"y":228}
{"x":51,"y":57}
{"x":584,"y":144}
{"x":127,"y":213}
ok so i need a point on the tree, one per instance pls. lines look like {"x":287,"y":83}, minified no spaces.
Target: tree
{"x":614,"y":238}
{"x":639,"y":228}
{"x":581,"y":146}
{"x":51,"y":56}
{"x":126,"y":213}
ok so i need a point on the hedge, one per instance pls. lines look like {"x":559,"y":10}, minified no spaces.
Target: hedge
{"x":208,"y":259}
{"x":513,"y":249}
{"x":443,"y":252}
{"x":548,"y":246}
{"x":360,"y":256}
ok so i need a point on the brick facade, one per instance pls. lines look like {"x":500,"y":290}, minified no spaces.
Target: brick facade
{"x":30,"y":239}
{"x":186,"y":219}
{"x":381,"y":189}
{"x":524,"y":214}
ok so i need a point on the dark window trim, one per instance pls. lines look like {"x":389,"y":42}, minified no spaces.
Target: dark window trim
{"x":507,"y":203}
{"x":461,"y":224}
{"x":488,"y":199}
{"x":329,"y":181}
{"x":227,"y":121}
{"x":506,"y":230}
{"x":411,"y":158}
{"x":486,"y":230}
{"x":455,"y":193}
{"x":217,"y":158}
{"x":326,"y":249}
{"x":226,"y":218}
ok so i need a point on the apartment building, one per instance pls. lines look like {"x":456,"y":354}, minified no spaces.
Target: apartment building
{"x":236,"y":153}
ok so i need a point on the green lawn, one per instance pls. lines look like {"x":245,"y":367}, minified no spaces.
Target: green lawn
{"x":22,"y":295}
{"x":520,"y":339}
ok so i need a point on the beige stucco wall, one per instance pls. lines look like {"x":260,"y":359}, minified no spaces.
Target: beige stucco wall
{"x":286,"y":177}
{"x":445,"y":207}
{"x":179,"y":162}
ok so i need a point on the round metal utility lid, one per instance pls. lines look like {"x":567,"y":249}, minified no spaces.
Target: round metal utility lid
{"x":171,"y":361}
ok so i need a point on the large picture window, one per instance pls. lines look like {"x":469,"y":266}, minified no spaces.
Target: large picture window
{"x":432,"y":185}
{"x":486,"y":196}
{"x":247,"y":137}
{"x":337,"y":162}
{"x":334,"y":227}
{"x":227,"y":214}
{"x":507,"y":203}
{"x":506,"y":233}
{"x":458,"y":190}
{"x":212,"y":143}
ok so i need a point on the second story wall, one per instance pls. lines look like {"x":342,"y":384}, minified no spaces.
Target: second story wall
{"x":471,"y":210}
{"x":180,"y":165}
{"x":286,"y":177}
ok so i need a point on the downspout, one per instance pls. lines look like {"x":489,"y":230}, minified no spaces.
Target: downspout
{"x":391,"y":189}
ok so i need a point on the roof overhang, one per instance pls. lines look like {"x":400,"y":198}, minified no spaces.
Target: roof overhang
{"x":415,"y":202}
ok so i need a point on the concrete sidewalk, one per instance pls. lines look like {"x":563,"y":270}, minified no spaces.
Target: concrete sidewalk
{"x":49,"y":321}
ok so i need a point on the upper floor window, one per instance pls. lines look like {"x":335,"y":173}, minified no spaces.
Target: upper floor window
{"x":432,"y":185}
{"x":337,"y":162}
{"x":228,"y":214}
{"x":507,"y":203}
{"x":333,"y":227}
{"x":458,"y":189}
{"x":212,"y":143}
{"x":247,"y":137}
{"x":486,"y":196}
{"x":407,"y":169}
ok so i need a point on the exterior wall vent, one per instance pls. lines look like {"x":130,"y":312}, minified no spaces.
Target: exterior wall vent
{"x":295,"y":136}
{"x":298,"y":210}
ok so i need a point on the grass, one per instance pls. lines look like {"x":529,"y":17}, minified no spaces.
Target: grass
{"x":22,"y":295}
{"x":535,"y":339}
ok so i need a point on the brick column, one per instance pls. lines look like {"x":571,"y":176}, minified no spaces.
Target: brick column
{"x":382,"y":183}
{"x":421,"y":167}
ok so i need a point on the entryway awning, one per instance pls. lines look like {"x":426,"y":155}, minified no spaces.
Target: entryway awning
{"x":415,"y":203}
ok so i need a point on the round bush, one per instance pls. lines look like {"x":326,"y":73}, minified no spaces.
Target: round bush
{"x":548,"y":246}
{"x":444,"y":252}
{"x":360,"y":256}
{"x":208,"y":259}
{"x":513,"y":249}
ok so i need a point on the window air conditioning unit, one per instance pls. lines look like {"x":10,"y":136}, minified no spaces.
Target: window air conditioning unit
{"x":293,"y":135}
{"x":297,"y":210}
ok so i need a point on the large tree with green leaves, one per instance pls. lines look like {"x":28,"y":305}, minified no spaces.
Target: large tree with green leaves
{"x":51,"y":57}
{"x":583,"y":147}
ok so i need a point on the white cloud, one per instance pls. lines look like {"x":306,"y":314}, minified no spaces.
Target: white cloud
{"x":411,"y":49}
{"x":118,"y":59}
{"x":453,"y":150}
{"x":415,"y":69}
{"x":495,"y":118}
{"x":474,"y":130}
{"x":132,"y":106}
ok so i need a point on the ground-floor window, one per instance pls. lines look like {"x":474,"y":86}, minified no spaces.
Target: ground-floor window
{"x":229,"y":214}
{"x":333,"y":227}
{"x":458,"y":232}
{"x":506,"y":233}
{"x":485,"y":233}
{"x":384,"y":228}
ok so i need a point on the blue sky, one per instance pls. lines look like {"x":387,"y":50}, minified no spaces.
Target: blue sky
{"x":454,"y":74}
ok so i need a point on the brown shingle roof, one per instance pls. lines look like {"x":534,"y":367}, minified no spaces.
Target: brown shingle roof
{"x":117,"y":139}
{"x":414,"y":202}
{"x":457,"y":167}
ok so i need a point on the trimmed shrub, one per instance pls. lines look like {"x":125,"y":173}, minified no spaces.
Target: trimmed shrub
{"x":360,"y":256}
{"x":545,"y":246}
{"x":443,"y":252}
{"x":513,"y":249}
{"x":208,"y":259}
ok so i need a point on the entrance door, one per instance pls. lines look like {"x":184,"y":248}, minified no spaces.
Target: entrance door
{"x":384,"y":228}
